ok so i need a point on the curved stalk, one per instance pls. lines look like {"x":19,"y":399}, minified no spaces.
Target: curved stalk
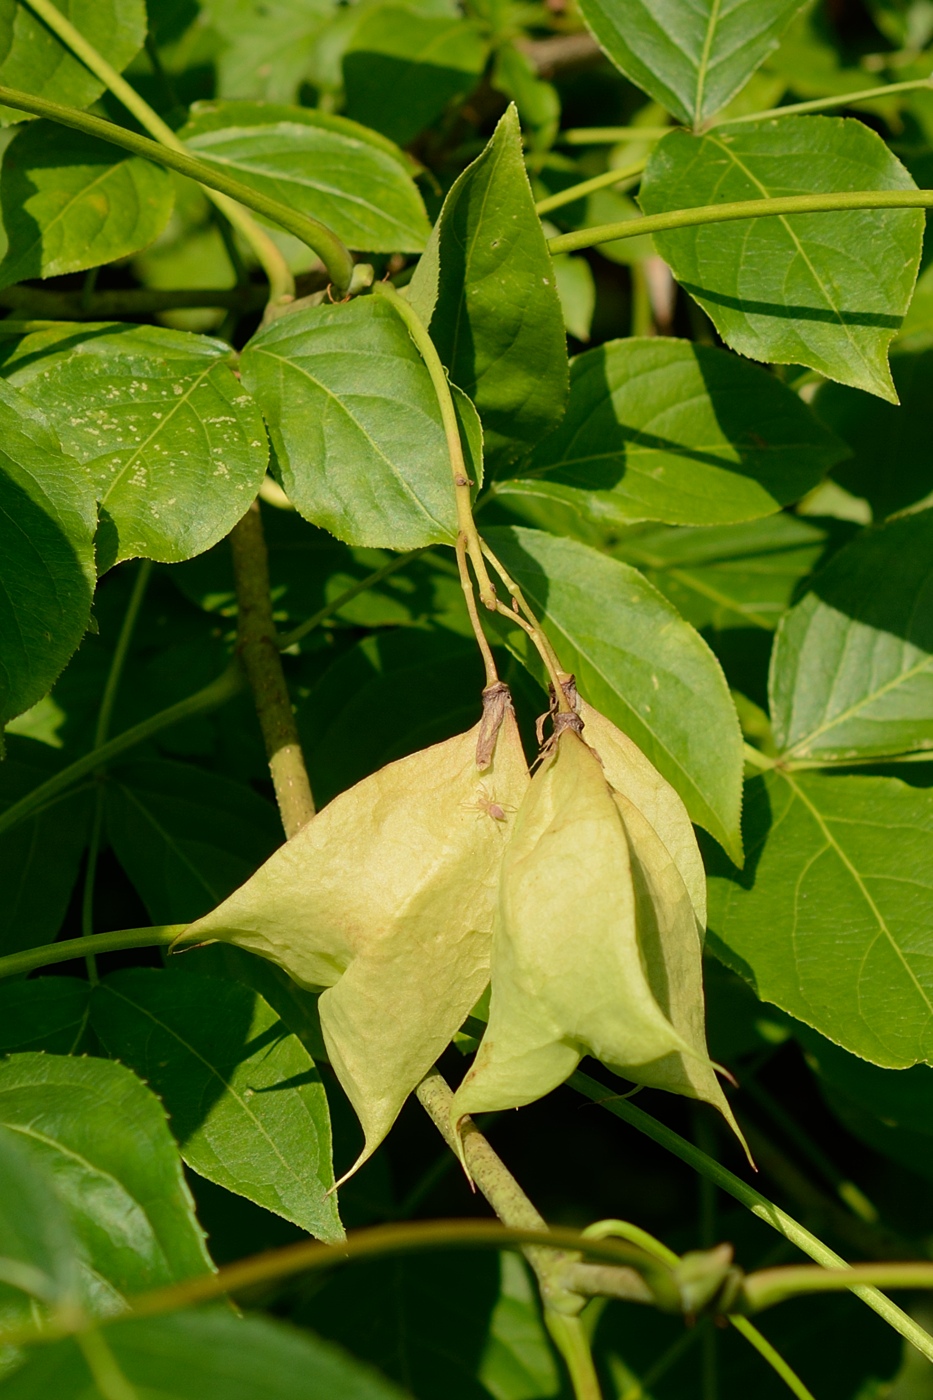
{"x":228,"y":684}
{"x":432,"y":360}
{"x":281,"y":282}
{"x":770,"y":1286}
{"x":530,"y":625}
{"x":598,"y":182}
{"x":823,"y":104}
{"x":758,"y":1204}
{"x":732,"y":211}
{"x":317,"y":236}
{"x":160,"y":935}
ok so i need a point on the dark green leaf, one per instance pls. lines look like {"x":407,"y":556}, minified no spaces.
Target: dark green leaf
{"x":195,"y":1355}
{"x":38,"y":1253}
{"x":175,"y":448}
{"x":185,"y":837}
{"x":103,"y":1136}
{"x":890,"y":1109}
{"x":819,"y":922}
{"x":666,"y":430}
{"x":890,"y":465}
{"x":310,"y":569}
{"x":34,"y":60}
{"x":457,"y":1326}
{"x":70,"y":201}
{"x":497,"y":320}
{"x":730,"y":576}
{"x":402,"y":68}
{"x":333,"y":169}
{"x":393,"y":693}
{"x":47,"y":1013}
{"x":638,"y":662}
{"x":824,"y":290}
{"x":269,"y":44}
{"x":852,"y":671}
{"x":47,"y":573}
{"x":244,"y":1098}
{"x":690,"y":57}
{"x":356,"y":426}
{"x":39,"y":857}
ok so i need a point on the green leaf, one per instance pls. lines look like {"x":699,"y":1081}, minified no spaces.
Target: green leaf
{"x":690,"y":57}
{"x":355,"y":424}
{"x":890,"y":465}
{"x":38,"y":1253}
{"x":70,"y":201}
{"x":402,"y":68}
{"x":852,"y":670}
{"x":103,"y":1137}
{"x":47,"y":573}
{"x":309,"y":569}
{"x":325,"y":166}
{"x":819,"y":923}
{"x":48,"y":1013}
{"x":730,"y":576}
{"x":39,"y":857}
{"x":638,"y":662}
{"x":191,"y":1355}
{"x":887,"y":1108}
{"x":185,"y":837}
{"x":577,"y":292}
{"x":497,"y":320}
{"x":269,"y":45}
{"x":175,"y":448}
{"x":391,"y":694}
{"x":666,"y":430}
{"x":34,"y":60}
{"x":465,"y":1325}
{"x":243,"y":1096}
{"x":824,"y":290}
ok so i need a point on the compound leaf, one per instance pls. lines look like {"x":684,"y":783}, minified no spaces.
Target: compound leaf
{"x":325,"y":166}
{"x":819,"y":923}
{"x":824,"y":290}
{"x":175,"y":448}
{"x":852,"y":668}
{"x":691,"y":57}
{"x":70,"y":202}
{"x":665,"y":430}
{"x":243,"y":1096}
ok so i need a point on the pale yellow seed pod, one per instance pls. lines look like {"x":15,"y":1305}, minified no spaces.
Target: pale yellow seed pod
{"x":597,"y":948}
{"x":386,"y":898}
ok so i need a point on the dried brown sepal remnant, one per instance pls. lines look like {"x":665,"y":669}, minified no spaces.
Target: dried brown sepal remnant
{"x":386,"y":900}
{"x":597,"y":946}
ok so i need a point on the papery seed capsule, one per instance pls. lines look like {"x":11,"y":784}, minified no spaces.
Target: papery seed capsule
{"x":386,"y":899}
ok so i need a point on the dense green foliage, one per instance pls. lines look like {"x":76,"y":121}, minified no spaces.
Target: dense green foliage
{"x":329,"y":327}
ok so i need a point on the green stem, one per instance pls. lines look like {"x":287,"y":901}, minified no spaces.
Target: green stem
{"x":759,"y":1205}
{"x":530,"y":625}
{"x":770,"y":1286}
{"x":599,"y":182}
{"x":219,"y":691}
{"x":756,"y":759}
{"x":569,"y":1336}
{"x":101,"y":730}
{"x":610,"y":135}
{"x":740,"y":209}
{"x":823,"y":104}
{"x":108,"y":1378}
{"x":281,"y":282}
{"x":774,"y":1358}
{"x":432,"y":361}
{"x":158,"y":936}
{"x":335,"y":257}
{"x":623,"y":1230}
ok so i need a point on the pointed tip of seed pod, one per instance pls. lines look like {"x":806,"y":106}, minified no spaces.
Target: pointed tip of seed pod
{"x":361,"y":1160}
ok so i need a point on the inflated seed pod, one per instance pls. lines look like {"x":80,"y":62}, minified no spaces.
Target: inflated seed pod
{"x":597,"y":944}
{"x":386,"y":899}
